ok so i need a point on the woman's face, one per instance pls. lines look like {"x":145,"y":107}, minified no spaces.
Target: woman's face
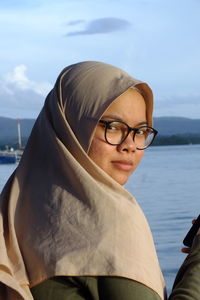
{"x":120,"y":161}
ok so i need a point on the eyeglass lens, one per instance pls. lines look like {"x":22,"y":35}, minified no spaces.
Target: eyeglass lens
{"x":116,"y":133}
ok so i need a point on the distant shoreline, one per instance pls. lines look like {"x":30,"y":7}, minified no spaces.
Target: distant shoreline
{"x":160,"y":140}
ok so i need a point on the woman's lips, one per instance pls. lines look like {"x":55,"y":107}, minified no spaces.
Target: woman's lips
{"x":123,"y":165}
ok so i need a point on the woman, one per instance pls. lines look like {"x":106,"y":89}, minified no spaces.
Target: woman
{"x":71,"y":231}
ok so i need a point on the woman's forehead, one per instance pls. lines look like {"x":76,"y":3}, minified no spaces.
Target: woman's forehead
{"x":129,"y":106}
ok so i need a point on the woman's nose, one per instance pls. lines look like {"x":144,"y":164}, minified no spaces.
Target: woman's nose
{"x":129,"y":144}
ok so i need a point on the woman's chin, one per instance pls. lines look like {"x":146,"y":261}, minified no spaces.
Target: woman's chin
{"x":121,"y":179}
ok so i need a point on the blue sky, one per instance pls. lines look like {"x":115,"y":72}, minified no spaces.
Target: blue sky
{"x":157,"y":41}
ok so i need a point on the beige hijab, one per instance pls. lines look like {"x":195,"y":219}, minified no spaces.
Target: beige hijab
{"x":60,"y":213}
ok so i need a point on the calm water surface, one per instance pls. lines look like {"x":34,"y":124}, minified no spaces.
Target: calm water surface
{"x":166,"y":185}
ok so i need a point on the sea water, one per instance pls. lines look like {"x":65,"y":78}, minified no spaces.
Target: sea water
{"x":167,"y":186}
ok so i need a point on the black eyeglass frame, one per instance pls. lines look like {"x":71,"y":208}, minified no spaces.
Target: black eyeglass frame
{"x":134,"y":129}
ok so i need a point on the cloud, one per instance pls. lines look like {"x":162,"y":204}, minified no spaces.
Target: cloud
{"x":103,"y":25}
{"x":72,"y":23}
{"x":20,"y":96}
{"x":18,"y":79}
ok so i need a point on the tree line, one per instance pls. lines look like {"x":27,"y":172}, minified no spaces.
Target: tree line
{"x":176,"y":139}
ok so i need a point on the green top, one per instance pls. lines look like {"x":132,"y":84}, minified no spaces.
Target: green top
{"x":92,"y":288}
{"x":186,"y":286}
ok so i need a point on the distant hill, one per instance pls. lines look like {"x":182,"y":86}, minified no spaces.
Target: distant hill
{"x":8,"y":131}
{"x":8,"y":127}
{"x":168,"y":128}
{"x":177,"y":125}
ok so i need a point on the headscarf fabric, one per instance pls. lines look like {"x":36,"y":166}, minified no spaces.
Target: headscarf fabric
{"x":61,"y":215}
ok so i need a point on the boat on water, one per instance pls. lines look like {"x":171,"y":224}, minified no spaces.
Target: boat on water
{"x":8,"y":157}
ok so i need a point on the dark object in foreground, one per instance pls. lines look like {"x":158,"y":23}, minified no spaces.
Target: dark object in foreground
{"x":191,"y":233}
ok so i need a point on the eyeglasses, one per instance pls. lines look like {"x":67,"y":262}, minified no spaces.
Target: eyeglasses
{"x":117,"y":131}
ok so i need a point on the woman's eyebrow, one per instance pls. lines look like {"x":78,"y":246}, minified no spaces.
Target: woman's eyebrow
{"x":143,"y":123}
{"x":117,"y":118}
{"x":114,"y":117}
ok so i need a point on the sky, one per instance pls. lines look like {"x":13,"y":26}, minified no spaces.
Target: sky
{"x":156,"y":41}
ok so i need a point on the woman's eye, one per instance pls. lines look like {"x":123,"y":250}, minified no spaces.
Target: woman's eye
{"x":141,"y":132}
{"x":144,"y":131}
{"x":112,"y":127}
